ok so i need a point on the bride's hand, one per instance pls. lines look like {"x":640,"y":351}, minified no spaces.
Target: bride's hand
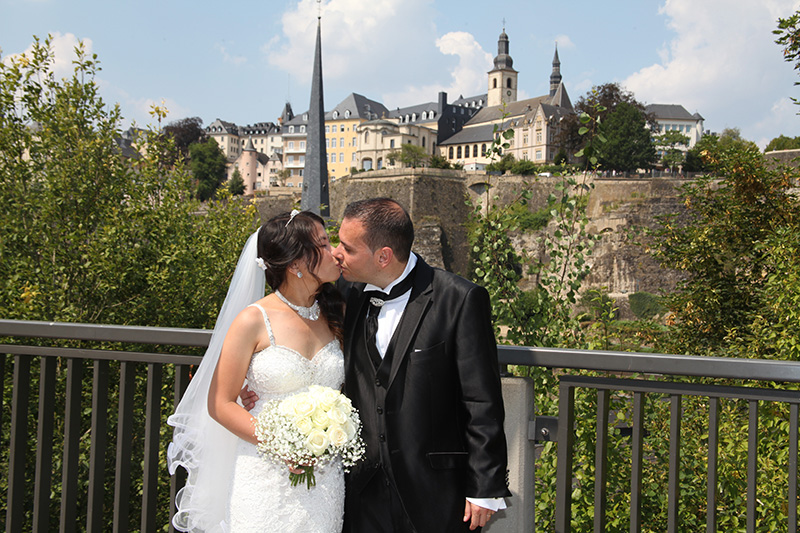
{"x":296,"y":469}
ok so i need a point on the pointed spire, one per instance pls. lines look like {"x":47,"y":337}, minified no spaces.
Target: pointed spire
{"x":555,"y":77}
{"x":315,"y":172}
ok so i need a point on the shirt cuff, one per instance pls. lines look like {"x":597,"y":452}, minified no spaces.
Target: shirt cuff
{"x":493,"y":504}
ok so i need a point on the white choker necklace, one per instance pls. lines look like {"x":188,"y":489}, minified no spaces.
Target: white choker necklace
{"x":309,"y":313}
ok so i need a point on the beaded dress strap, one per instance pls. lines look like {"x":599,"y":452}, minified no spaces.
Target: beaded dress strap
{"x":266,"y":323}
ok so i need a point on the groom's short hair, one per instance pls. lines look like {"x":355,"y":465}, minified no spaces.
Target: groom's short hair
{"x":386,"y":223}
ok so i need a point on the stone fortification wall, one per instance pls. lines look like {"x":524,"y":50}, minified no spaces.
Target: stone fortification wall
{"x":436,"y":202}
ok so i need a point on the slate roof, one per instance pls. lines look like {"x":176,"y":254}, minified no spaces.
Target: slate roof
{"x":671,"y":111}
{"x":476,"y":134}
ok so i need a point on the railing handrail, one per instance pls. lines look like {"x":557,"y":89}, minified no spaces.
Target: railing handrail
{"x":104,"y":332}
{"x":602,"y":360}
{"x":652,"y":363}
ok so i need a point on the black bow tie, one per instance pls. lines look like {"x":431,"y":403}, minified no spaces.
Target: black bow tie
{"x":378,"y":298}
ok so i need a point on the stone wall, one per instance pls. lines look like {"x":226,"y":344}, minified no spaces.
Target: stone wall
{"x":436,"y":199}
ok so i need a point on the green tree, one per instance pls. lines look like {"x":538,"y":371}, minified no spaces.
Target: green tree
{"x":207,"y":162}
{"x":783,"y":142}
{"x":788,"y":33}
{"x":504,"y":165}
{"x":670,"y":141}
{"x":629,"y":146}
{"x":236,"y":184}
{"x":409,"y":155}
{"x":184,"y":133}
{"x":87,"y":235}
{"x":723,"y":246}
{"x":439,"y":161}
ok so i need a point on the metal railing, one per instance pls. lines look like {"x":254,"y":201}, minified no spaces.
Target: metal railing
{"x":118,"y":489}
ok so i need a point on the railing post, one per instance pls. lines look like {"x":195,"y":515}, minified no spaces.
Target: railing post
{"x":518,"y":402}
{"x":18,"y":444}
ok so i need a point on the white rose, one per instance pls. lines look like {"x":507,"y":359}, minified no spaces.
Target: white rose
{"x":304,"y":405}
{"x":328,"y":398}
{"x":286,"y":407}
{"x":304,"y":425}
{"x":320,"y":418}
{"x":337,"y":435}
{"x":350,"y":429}
{"x":317,"y":442}
{"x":338,"y":415}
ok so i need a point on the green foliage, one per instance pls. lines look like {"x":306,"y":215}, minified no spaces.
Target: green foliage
{"x":629,"y":145}
{"x":645,"y":305}
{"x":504,"y":164}
{"x":236,"y":184}
{"x":89,"y":236}
{"x":439,"y":161}
{"x":409,"y":155}
{"x":524,"y":168}
{"x":207,"y":162}
{"x":670,"y":141}
{"x":783,"y":143}
{"x":727,"y":248}
{"x":788,"y":33}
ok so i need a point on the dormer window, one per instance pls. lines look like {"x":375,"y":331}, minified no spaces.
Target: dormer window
{"x":335,"y":114}
{"x":291,"y":129}
{"x":347,"y":113}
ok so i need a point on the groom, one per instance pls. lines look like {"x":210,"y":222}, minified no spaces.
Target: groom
{"x":425,"y":379}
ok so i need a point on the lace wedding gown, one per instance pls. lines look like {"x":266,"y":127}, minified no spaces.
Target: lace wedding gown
{"x":262,"y":498}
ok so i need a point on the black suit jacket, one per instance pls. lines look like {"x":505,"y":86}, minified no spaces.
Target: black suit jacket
{"x":438,"y":422}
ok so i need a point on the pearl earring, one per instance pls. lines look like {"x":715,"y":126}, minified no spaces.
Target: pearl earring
{"x":299,"y":274}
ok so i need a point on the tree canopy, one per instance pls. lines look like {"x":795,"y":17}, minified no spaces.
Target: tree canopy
{"x":629,"y":146}
{"x":207,"y":162}
{"x":184,"y":133}
{"x":783,"y":142}
{"x":87,"y":235}
{"x":409,"y":155}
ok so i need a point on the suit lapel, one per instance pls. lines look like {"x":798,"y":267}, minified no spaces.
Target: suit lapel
{"x":420,"y":300}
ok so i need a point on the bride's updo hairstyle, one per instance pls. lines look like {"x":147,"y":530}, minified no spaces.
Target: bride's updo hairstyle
{"x":287,"y":238}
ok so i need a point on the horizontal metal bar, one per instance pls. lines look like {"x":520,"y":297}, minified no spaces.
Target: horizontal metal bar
{"x":101,"y":355}
{"x":648,"y":363}
{"x":688,"y":389}
{"x":101,"y":332}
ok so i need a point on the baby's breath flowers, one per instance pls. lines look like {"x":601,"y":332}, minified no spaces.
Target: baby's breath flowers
{"x":309,"y":429}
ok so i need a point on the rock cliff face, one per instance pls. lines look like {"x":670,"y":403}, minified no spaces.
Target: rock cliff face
{"x":436,"y":201}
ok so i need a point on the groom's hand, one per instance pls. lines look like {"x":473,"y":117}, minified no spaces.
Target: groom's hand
{"x":476,"y":515}
{"x":248,"y":397}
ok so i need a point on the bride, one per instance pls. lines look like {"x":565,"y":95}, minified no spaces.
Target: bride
{"x":280,"y":344}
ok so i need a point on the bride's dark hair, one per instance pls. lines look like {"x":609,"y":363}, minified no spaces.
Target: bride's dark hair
{"x":284,"y":239}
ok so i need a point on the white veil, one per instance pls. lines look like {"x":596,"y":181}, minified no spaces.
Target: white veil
{"x":199,"y":444}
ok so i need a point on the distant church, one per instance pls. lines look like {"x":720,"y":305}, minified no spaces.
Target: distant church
{"x":536,"y":121}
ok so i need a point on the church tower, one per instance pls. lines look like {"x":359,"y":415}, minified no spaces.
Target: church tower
{"x":315,"y":172}
{"x":555,"y":77}
{"x":503,"y":78}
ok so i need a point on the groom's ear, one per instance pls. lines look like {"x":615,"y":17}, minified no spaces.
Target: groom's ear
{"x":385,"y":256}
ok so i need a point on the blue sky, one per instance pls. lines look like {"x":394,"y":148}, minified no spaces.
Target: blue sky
{"x":242,"y":61}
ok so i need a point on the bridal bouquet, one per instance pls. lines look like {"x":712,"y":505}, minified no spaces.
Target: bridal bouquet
{"x":309,"y":429}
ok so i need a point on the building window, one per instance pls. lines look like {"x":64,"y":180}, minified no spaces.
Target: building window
{"x":508,"y":83}
{"x":423,"y":142}
{"x":341,"y":157}
{"x":302,"y":145}
{"x":327,"y":129}
{"x":450,"y":153}
{"x":327,"y":143}
{"x":391,"y":143}
{"x":291,"y":145}
{"x":335,"y":114}
{"x":291,"y":129}
{"x":538,"y":155}
{"x":354,"y":142}
{"x":302,"y":129}
{"x":424,"y":115}
{"x":341,"y":142}
{"x":380,"y":163}
{"x":366,"y":137}
{"x":474,"y":150}
{"x":483,"y":150}
{"x":302,"y":159}
{"x":494,"y":83}
{"x":333,"y":128}
{"x":333,"y":142}
{"x":458,"y":152}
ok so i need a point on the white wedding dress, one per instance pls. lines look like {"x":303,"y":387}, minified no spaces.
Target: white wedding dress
{"x":261,"y":496}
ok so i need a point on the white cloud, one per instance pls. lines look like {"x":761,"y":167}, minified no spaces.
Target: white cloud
{"x":564,"y":42}
{"x":467,"y":78}
{"x":63,"y":48}
{"x":723,"y":61}
{"x":228,"y":58}
{"x":363,"y":48}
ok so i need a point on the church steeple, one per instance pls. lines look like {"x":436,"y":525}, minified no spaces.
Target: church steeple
{"x":315,"y":172}
{"x":503,"y":77}
{"x":555,"y":77}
